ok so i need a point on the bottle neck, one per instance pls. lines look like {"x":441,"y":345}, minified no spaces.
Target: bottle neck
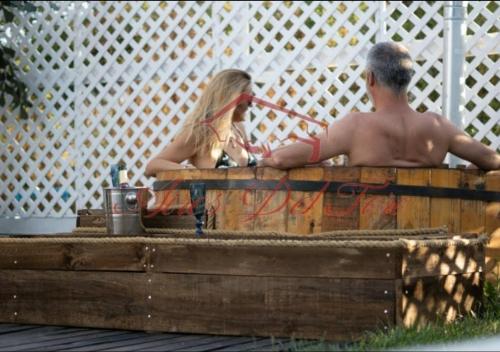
{"x":123,"y":178}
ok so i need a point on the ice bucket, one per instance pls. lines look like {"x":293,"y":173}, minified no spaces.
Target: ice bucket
{"x":123,"y":208}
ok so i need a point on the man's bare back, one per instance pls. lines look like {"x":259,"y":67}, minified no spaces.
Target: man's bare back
{"x":404,"y":138}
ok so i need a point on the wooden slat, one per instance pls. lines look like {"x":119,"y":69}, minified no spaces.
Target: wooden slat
{"x":425,"y":261}
{"x":259,"y":344}
{"x":425,"y":300}
{"x":472,"y":217}
{"x":305,"y":209}
{"x":492,"y":228}
{"x":341,"y":210}
{"x":271,"y":306}
{"x":327,"y":262}
{"x":377,"y":212}
{"x":413,"y":212}
{"x":177,"y":343}
{"x":74,"y":298}
{"x":156,"y":220}
{"x":271,"y":207}
{"x":445,"y":212}
{"x":180,"y":198}
{"x":73,"y":256}
{"x":83,"y":337}
{"x":127,"y":340}
{"x":238,"y":206}
{"x":91,"y":218}
{"x":12,"y":328}
{"x":492,"y":183}
{"x":398,"y":302}
{"x":214,"y":202}
{"x":225,"y":342}
{"x":15,"y":338}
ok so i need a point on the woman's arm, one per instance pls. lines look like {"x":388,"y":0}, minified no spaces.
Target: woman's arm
{"x":180,"y":149}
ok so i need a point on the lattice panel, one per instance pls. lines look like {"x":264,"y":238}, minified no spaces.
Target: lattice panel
{"x":145,"y":65}
{"x":419,"y":25}
{"x":37,"y":174}
{"x":308,"y":58}
{"x":115,"y":80}
{"x":482,"y":73}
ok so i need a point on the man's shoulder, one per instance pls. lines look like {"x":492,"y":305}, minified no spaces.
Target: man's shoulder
{"x":436,"y":119}
{"x":432,"y":115}
{"x":357,"y":115}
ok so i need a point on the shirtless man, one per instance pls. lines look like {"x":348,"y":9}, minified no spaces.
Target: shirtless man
{"x":393,"y":135}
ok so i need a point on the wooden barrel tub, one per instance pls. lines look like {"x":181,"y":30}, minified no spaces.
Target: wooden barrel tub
{"x":333,"y":287}
{"x":314,"y":200}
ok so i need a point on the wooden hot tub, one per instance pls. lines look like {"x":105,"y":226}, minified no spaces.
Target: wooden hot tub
{"x":313,"y":200}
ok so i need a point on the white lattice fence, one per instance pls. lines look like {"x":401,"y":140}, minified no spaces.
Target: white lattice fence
{"x":114,"y":80}
{"x":482,"y":73}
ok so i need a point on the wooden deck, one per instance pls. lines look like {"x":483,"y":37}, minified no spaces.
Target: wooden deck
{"x":15,"y":337}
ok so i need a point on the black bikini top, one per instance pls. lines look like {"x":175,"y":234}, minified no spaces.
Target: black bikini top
{"x":226,"y":161}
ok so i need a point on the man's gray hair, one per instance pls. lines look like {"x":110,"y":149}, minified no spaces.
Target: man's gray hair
{"x":391,"y":65}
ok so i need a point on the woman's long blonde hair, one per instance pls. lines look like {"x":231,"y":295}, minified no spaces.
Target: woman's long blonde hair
{"x":222,"y":89}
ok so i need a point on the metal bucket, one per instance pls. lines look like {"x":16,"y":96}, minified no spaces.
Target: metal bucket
{"x":123,"y":208}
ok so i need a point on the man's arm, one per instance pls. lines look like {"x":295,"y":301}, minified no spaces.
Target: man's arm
{"x":472,"y":150}
{"x":335,"y":141}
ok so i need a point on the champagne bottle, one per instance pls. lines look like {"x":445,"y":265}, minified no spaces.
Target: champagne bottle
{"x":122,"y":175}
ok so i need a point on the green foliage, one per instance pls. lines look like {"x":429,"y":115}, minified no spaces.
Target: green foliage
{"x":10,"y":82}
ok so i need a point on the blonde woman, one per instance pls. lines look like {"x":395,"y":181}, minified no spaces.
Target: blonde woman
{"x":213,"y":134}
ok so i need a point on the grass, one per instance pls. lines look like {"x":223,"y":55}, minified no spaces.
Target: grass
{"x":465,"y":328}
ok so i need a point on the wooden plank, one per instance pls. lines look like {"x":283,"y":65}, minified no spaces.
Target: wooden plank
{"x":398,"y":302}
{"x":271,"y":207}
{"x":492,"y":224}
{"x":14,"y":342}
{"x":425,"y":300}
{"x":186,"y":221}
{"x":276,"y":261}
{"x":91,"y":218}
{"x":258,"y":344}
{"x":270,"y":306}
{"x":65,"y":342}
{"x":429,"y":261}
{"x":167,"y":344}
{"x":227,"y":342}
{"x":118,"y":339}
{"x":377,"y":211}
{"x":341,"y":209}
{"x":413,"y":212}
{"x":445,"y":212}
{"x":73,"y":256}
{"x":74,"y":298}
{"x":214,"y":199}
{"x":11,"y":328}
{"x":472,"y":217}
{"x":305,"y":209}
{"x":16,"y":337}
{"x":238,"y":205}
{"x":280,"y":346}
{"x":175,"y":198}
{"x":492,"y":228}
